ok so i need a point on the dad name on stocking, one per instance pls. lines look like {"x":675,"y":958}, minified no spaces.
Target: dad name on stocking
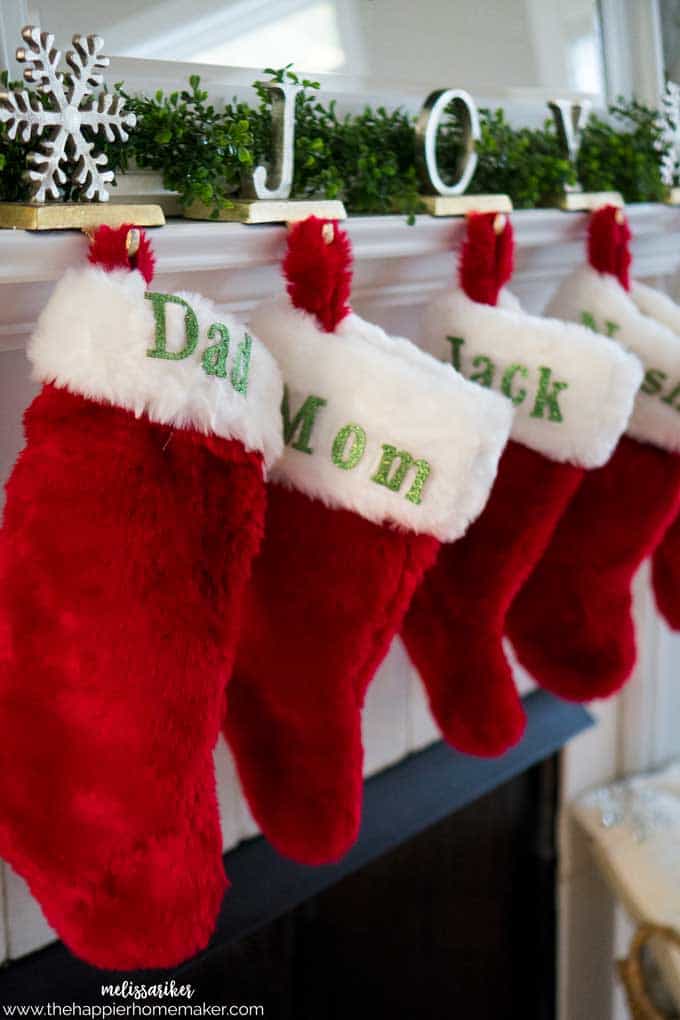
{"x":132,"y":517}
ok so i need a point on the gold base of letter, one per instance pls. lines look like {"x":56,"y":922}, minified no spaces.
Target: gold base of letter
{"x":587,"y":201}
{"x":461,"y":205}
{"x":266,"y":211}
{"x":77,"y":215}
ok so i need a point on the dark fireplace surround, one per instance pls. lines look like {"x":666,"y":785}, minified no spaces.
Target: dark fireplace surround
{"x":444,"y":908}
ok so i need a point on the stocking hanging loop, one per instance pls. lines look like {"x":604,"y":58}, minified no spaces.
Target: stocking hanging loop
{"x":487,"y":256}
{"x":124,"y":247}
{"x":318,"y":268}
{"x":609,"y":239}
{"x":132,"y":242}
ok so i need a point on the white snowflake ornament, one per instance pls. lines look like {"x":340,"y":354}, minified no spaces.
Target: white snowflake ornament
{"x":63,"y":154}
{"x":669,"y":123}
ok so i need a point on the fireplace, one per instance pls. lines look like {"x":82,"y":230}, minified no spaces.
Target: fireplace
{"x":452,"y":881}
{"x":419,"y":931}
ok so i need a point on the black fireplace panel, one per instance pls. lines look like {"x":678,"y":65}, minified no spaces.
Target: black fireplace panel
{"x":444,"y":908}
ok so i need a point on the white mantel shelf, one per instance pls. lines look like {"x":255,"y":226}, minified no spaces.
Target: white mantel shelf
{"x":195,"y":246}
{"x":396,"y":265}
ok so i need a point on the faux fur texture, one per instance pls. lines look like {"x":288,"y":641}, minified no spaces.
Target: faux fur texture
{"x":666,"y":576}
{"x":400,"y":397}
{"x":622,"y":511}
{"x":109,"y":250}
{"x":656,"y":305}
{"x":509,"y":301}
{"x":93,"y":338}
{"x":487,"y":258}
{"x":609,"y":243}
{"x":124,"y":555}
{"x":328,"y":593}
{"x":454,"y":628}
{"x":571,"y":624}
{"x":335,"y":575}
{"x":601,"y":297}
{"x":599,"y":381}
{"x":319,"y":271}
{"x":666,"y":558}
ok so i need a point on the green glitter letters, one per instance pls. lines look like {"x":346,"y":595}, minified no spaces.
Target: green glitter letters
{"x":547,"y":390}
{"x":214,"y":357}
{"x":297,"y":431}
{"x":506,"y":383}
{"x":610,"y":328}
{"x":349,"y":447}
{"x":546,"y":397}
{"x":241,"y":370}
{"x":159,"y":301}
{"x":339,"y":455}
{"x":395,"y":480}
{"x":654,"y":380}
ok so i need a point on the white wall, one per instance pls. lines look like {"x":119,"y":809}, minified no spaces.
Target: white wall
{"x":477,"y":44}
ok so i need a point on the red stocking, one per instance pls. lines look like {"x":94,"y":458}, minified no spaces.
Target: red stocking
{"x":571,"y":624}
{"x":329,"y":591}
{"x":351,"y":527}
{"x":455,"y":626}
{"x":666,"y":559}
{"x":666,"y":576}
{"x":132,"y":517}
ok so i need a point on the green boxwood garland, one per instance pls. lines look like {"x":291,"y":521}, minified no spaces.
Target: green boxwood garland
{"x":365,"y":159}
{"x":624,"y":155}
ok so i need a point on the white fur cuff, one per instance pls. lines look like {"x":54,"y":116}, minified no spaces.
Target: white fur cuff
{"x":573,"y":391}
{"x":174,"y":358}
{"x":656,"y":305}
{"x":600,"y":301}
{"x":374,"y":425}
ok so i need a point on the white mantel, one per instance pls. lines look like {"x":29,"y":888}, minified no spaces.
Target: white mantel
{"x":397,"y":268}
